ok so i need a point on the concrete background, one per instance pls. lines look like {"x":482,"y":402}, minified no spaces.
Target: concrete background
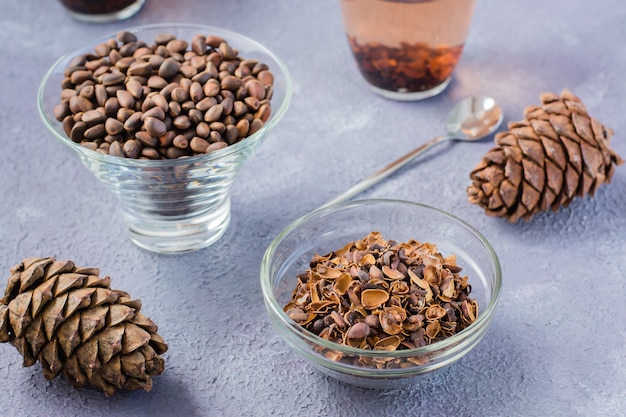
{"x":557,"y":343}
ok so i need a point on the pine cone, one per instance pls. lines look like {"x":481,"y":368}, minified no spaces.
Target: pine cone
{"x":70,"y":320}
{"x":556,"y":154}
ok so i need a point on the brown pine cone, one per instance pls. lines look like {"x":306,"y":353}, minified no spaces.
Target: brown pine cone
{"x":557,"y":153}
{"x":70,"y":320}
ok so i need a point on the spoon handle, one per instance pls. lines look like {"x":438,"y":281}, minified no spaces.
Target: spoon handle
{"x":385,"y":172}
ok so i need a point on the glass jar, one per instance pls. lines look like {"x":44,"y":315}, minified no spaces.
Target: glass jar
{"x":407,"y":49}
{"x":100,"y":11}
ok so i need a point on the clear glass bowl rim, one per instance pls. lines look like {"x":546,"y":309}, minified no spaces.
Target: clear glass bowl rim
{"x":277,"y":113}
{"x":277,"y":313}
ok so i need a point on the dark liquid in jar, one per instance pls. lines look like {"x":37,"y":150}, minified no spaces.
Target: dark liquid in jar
{"x":407,"y":68}
{"x":97,"y":6}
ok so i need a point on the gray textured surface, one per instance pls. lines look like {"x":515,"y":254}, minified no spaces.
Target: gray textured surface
{"x":558,"y":342}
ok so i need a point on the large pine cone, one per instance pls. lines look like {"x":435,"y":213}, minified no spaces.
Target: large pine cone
{"x":556,"y":154}
{"x":70,"y":320}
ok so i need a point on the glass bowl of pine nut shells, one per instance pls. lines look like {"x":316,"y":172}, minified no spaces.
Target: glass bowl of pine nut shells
{"x":375,"y":293}
{"x":166,"y":116}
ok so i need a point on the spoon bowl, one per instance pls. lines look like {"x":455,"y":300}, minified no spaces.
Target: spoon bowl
{"x":474,"y":118}
{"x":471,"y":119}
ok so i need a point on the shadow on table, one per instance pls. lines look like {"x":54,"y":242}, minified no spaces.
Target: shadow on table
{"x":487,"y":381}
{"x":168,"y":397}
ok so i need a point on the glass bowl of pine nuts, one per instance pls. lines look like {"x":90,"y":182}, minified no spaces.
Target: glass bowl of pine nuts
{"x":166,"y":116}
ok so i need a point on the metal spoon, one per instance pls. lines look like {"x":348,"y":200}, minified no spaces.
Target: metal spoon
{"x":471,"y":119}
